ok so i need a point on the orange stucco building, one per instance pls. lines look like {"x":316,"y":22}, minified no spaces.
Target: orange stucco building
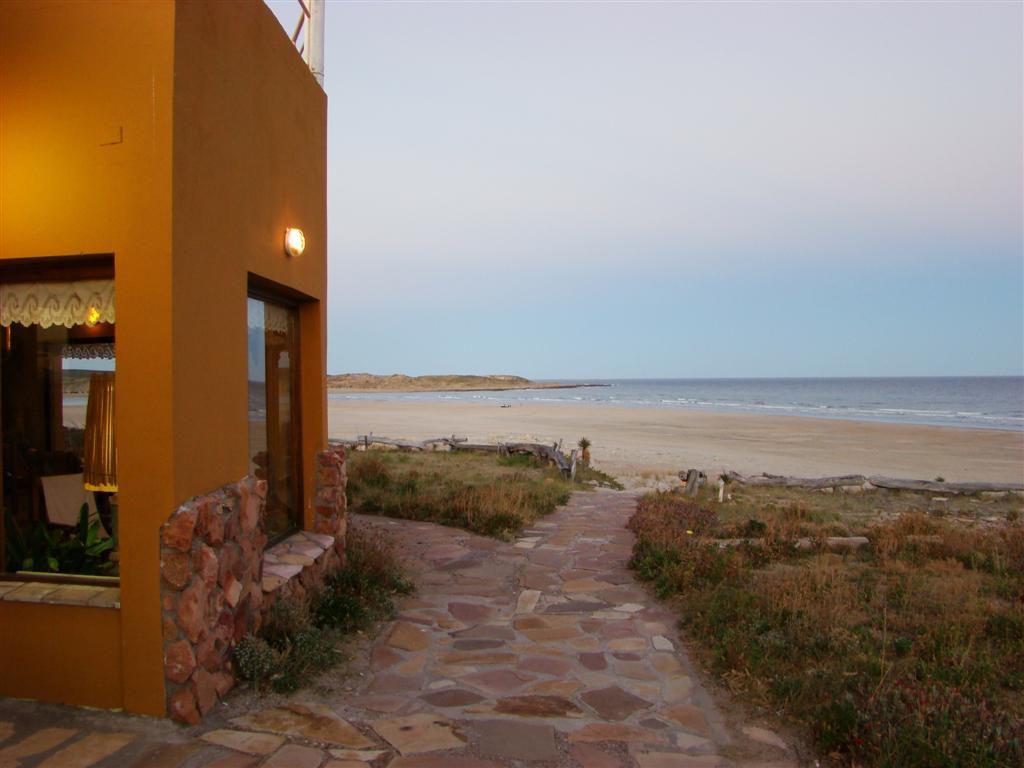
{"x":166,"y":147}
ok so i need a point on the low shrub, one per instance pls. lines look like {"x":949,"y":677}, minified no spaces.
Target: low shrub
{"x":361,"y":592}
{"x":907,"y":652}
{"x":255,"y":659}
{"x":914,"y":722}
{"x":300,"y":639}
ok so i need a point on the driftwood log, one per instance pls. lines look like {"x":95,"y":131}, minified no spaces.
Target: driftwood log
{"x":934,"y":486}
{"x":834,"y":543}
{"x":548,"y":452}
{"x":481,"y":447}
{"x":795,"y":482}
{"x":694,"y":479}
{"x":891,"y":483}
{"x":406,"y":445}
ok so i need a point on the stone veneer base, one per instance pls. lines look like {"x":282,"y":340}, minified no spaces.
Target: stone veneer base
{"x":218,"y":580}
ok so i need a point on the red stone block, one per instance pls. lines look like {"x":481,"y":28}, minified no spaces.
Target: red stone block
{"x":247,"y":552}
{"x":232,"y":590}
{"x":179,"y":661}
{"x":240,"y":620}
{"x":192,"y":610}
{"x":223,"y":682}
{"x":228,"y":559}
{"x":175,"y":568}
{"x":210,"y":524}
{"x":328,"y":476}
{"x":204,"y":561}
{"x":249,"y":508}
{"x":204,"y":690}
{"x":207,"y":656}
{"x":231,"y":526}
{"x":178,"y":531}
{"x":182,"y":706}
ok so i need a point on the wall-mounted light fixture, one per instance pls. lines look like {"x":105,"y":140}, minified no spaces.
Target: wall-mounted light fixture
{"x":93,"y":317}
{"x":294,"y":241}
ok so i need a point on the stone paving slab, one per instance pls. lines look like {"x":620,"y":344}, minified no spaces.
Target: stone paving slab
{"x":543,"y":651}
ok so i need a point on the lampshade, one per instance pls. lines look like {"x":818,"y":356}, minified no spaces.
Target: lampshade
{"x":100,"y":470}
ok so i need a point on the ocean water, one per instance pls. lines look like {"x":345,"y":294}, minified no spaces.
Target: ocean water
{"x":989,"y":402}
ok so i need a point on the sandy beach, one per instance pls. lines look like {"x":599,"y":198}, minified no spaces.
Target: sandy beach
{"x":632,"y":441}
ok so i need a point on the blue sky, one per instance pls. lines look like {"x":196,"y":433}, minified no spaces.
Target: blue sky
{"x":654,"y":189}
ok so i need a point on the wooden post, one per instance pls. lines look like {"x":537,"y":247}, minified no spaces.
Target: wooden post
{"x":692,"y":482}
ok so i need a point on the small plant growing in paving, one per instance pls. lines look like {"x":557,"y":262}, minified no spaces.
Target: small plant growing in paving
{"x":255,"y":660}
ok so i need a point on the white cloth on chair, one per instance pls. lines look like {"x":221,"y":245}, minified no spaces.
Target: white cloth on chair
{"x":64,"y":496}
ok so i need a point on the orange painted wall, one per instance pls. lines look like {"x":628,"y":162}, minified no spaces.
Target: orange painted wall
{"x":249,"y":160}
{"x":183,"y":138}
{"x":82,"y":643}
{"x":85,"y":167}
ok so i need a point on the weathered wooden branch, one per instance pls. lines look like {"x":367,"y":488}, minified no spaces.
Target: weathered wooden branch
{"x":549,"y":452}
{"x":834,"y":543}
{"x":891,"y":483}
{"x":477,"y":447}
{"x":694,"y":479}
{"x":795,"y":482}
{"x":934,"y":486}
{"x":566,"y":464}
{"x":408,"y":445}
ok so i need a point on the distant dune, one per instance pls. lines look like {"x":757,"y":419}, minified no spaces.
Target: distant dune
{"x":369,"y":382}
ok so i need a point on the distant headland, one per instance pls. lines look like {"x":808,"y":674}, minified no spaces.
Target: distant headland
{"x":397,"y":382}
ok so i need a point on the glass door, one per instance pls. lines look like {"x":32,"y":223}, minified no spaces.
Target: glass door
{"x":274,"y":411}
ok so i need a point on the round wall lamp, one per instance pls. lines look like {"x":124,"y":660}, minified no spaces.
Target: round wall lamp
{"x":294,"y":241}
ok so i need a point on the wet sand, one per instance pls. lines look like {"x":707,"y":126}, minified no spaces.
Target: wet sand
{"x":631,"y":441}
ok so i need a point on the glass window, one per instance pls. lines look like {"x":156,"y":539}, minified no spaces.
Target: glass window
{"x":57,"y":387}
{"x":273,"y":411}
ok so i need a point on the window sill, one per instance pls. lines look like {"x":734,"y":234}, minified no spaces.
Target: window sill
{"x":55,"y":593}
{"x":287,"y":559}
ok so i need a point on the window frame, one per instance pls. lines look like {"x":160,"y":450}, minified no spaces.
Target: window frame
{"x":273,"y":293}
{"x":44,"y":269}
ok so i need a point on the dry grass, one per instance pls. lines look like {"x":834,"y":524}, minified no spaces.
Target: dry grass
{"x":479,"y":492}
{"x":907,"y":652}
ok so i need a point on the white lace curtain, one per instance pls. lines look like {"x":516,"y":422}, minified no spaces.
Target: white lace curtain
{"x":103,"y":351}
{"x":61,"y":303}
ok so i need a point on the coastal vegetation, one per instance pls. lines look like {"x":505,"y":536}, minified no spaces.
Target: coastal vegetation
{"x":481,"y":492}
{"x":304,"y":637}
{"x":907,"y":650}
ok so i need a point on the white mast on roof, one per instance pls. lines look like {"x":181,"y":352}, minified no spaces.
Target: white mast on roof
{"x":311,"y":20}
{"x":316,"y":39}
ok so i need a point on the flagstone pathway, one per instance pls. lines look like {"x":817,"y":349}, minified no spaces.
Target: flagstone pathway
{"x":540,"y":652}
